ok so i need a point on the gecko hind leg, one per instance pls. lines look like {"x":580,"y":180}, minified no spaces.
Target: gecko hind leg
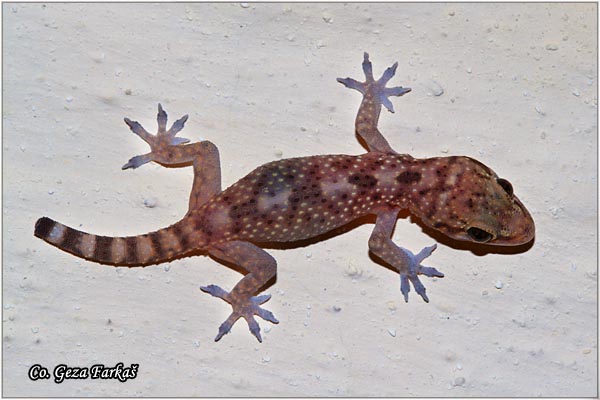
{"x":169,"y":150}
{"x":261,"y":267}
{"x":161,"y":143}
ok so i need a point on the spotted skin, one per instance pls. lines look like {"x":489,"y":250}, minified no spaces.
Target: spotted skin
{"x":301,"y":198}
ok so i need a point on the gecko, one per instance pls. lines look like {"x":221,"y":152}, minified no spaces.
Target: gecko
{"x":295,"y":199}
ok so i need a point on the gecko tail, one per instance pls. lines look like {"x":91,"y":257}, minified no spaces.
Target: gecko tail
{"x":132,"y":251}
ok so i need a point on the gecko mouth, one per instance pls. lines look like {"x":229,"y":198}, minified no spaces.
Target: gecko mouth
{"x":479,"y":235}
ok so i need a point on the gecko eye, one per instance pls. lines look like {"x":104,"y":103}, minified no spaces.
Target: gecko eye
{"x":505,"y":185}
{"x":479,"y":235}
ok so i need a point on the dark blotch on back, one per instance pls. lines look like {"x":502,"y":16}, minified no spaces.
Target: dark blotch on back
{"x":276,"y":187}
{"x":363,"y":180}
{"x":408,"y":177}
{"x":266,"y":183}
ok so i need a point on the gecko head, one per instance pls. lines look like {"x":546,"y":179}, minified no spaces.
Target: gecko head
{"x":478,"y":206}
{"x":504,"y":222}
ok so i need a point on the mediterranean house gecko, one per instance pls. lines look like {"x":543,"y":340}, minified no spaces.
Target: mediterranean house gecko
{"x":300,"y":198}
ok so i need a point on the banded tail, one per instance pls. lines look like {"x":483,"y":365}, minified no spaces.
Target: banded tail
{"x":147,"y":249}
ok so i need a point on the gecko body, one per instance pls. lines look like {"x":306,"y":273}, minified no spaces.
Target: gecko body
{"x":301,"y":198}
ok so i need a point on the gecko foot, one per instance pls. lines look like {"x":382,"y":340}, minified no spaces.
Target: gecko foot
{"x":373,"y":88}
{"x":415,"y":270}
{"x":245,"y":308}
{"x":159,"y":142}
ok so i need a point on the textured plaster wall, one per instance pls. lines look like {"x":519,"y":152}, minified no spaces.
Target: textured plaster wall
{"x":519,"y":88}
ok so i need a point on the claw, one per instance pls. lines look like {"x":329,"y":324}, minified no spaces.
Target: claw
{"x":404,"y":286}
{"x":430,"y":272}
{"x":215,"y":291}
{"x":162,"y":120}
{"x":254,"y":328}
{"x":419,"y":288}
{"x":388,"y":74}
{"x":177,"y":126}
{"x":367,"y":67}
{"x":137,"y":161}
{"x":138,"y":130}
{"x":260,"y":299}
{"x":386,"y":103}
{"x":424,"y":253}
{"x":225,"y":327}
{"x":222,"y":332}
{"x":135,"y":127}
{"x":352,"y":84}
{"x":396,"y":91}
{"x":267,"y":315}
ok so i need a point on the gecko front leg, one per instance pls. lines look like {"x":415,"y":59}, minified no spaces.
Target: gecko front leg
{"x":408,"y":264}
{"x":374,"y":95}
